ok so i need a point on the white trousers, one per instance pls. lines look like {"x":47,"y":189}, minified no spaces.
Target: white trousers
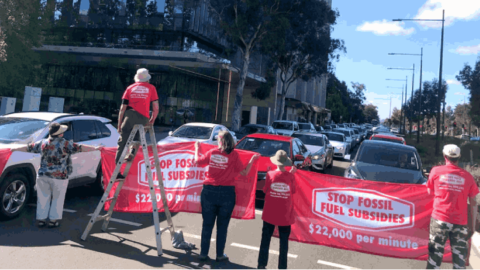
{"x":51,"y":197}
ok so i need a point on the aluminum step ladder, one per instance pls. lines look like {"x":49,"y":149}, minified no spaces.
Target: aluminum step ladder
{"x":135,"y":145}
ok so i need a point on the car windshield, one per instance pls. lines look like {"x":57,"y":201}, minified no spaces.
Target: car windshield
{"x":345,"y":132}
{"x":193,"y":132}
{"x":386,"y":140}
{"x":250,"y":130}
{"x":264,"y":147}
{"x":386,"y":156}
{"x":335,"y":137}
{"x":304,"y":126}
{"x":309,"y":139}
{"x":282,"y":125}
{"x":18,"y":129}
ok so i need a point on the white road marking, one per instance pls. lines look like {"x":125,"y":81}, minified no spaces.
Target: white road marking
{"x":69,"y":242}
{"x":69,"y":210}
{"x":258,"y":249}
{"x":335,"y":265}
{"x":122,"y":221}
{"x":196,"y":236}
{"x":258,"y":212}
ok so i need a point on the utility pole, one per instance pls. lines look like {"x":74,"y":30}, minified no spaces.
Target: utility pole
{"x":440,"y":92}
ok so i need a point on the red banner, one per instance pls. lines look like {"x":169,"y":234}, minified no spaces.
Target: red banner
{"x":4,"y":156}
{"x":183,"y":181}
{"x":371,"y":217}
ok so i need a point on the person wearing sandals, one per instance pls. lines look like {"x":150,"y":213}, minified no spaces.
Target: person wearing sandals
{"x":52,"y":177}
{"x":218,"y":194}
{"x":278,"y":208}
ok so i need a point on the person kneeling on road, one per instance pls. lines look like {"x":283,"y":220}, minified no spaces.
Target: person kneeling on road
{"x":218,"y":194}
{"x":278,"y":208}
{"x":52,"y":177}
{"x":451,"y":186}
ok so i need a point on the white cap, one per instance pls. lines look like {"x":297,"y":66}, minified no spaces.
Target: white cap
{"x":142,"y":75}
{"x":451,"y":150}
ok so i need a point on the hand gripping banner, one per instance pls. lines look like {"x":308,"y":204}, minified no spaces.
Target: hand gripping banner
{"x":183,"y":181}
{"x":378,"y":218}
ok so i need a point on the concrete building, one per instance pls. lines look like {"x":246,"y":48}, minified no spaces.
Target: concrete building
{"x":92,"y":51}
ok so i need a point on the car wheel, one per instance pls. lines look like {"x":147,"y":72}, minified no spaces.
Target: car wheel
{"x":99,"y":184}
{"x":14,"y":195}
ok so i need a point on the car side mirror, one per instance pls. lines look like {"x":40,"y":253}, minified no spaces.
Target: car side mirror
{"x":170,"y":133}
{"x":299,"y":158}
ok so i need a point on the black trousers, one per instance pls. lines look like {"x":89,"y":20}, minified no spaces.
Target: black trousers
{"x":267,"y":233}
{"x":217,"y":204}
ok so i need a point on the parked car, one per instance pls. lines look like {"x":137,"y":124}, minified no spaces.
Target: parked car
{"x":340,"y":144}
{"x":388,"y":138}
{"x":326,"y":128}
{"x":319,"y":146}
{"x":386,"y":162}
{"x":348,"y":136}
{"x":285,"y":128}
{"x":254,"y":128}
{"x":320,"y":129}
{"x":203,"y":132}
{"x":267,"y":145}
{"x":18,"y":178}
{"x":306,"y":127}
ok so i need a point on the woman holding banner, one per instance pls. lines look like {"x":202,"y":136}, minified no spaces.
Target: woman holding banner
{"x":218,"y":194}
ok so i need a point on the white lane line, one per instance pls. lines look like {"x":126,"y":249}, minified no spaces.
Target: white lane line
{"x":258,"y":212}
{"x":196,"y":236}
{"x":258,"y":249}
{"x":335,"y":265}
{"x":122,"y":221}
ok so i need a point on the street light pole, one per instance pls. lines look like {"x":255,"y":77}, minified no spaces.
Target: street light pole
{"x":411,"y":101}
{"x":437,"y":144}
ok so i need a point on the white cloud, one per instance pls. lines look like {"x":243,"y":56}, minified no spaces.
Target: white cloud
{"x":454,"y":10}
{"x":453,"y":82}
{"x":385,"y":103}
{"x":460,"y":94}
{"x":475,"y":49}
{"x":383,"y":28}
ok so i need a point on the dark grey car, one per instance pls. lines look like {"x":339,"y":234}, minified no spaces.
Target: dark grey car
{"x":386,"y":162}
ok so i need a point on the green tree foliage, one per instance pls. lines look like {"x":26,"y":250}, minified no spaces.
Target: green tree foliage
{"x":370,"y":112}
{"x":344,"y":102}
{"x":20,"y":31}
{"x":470,"y":79}
{"x":246,"y":24}
{"x":300,"y":46}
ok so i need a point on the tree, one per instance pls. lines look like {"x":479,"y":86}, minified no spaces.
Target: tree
{"x":357,"y":98}
{"x":396,"y":117}
{"x":338,"y":98}
{"x":246,"y":23}
{"x":20,"y":31}
{"x":370,"y":112}
{"x":470,"y":79}
{"x":300,"y":46}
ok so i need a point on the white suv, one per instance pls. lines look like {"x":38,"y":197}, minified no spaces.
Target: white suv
{"x":19,"y":175}
{"x":285,"y":128}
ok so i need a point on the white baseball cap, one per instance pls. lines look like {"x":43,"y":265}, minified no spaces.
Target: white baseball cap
{"x":451,"y":150}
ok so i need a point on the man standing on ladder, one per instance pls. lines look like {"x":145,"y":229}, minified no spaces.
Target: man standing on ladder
{"x":135,"y":110}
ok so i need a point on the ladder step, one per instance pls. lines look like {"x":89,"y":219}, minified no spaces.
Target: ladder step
{"x":109,"y":199}
{"x":137,"y":142}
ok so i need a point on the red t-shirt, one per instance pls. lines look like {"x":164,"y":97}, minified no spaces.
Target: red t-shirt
{"x":451,"y":186}
{"x":139,"y":96}
{"x":279,"y":189}
{"x":222,"y":169}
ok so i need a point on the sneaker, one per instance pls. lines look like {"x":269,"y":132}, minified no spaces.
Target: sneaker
{"x":222,"y":258}
{"x":203,"y":258}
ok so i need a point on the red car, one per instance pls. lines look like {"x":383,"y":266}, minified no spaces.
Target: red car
{"x":267,"y":145}
{"x":388,"y":138}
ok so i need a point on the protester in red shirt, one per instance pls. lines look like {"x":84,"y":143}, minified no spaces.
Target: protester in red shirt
{"x":218,"y":194}
{"x":135,"y":110}
{"x":452,"y":187}
{"x":278,"y":208}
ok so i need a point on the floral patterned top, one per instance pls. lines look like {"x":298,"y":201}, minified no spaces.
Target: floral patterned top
{"x":55,"y":162}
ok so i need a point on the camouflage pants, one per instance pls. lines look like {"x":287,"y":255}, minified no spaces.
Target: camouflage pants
{"x":439,"y":233}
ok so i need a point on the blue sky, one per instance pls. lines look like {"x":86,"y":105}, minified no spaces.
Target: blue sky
{"x":369,"y":35}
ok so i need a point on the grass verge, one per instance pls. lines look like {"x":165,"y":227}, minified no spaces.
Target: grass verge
{"x":426,"y":149}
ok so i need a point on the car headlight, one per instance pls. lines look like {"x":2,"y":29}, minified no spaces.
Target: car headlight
{"x":317,"y":157}
{"x":340,"y":148}
{"x":349,"y":173}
